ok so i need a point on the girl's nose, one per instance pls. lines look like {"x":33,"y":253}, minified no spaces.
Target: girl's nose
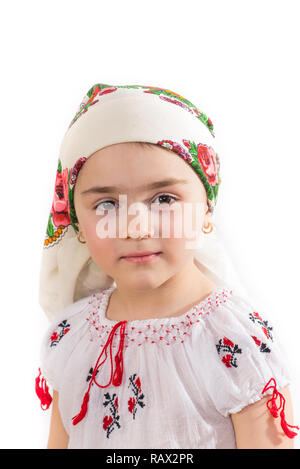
{"x":140,"y":233}
{"x":140,"y":226}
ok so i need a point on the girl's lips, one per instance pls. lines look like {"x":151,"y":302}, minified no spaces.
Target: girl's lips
{"x":142,"y":259}
{"x":140,"y":253}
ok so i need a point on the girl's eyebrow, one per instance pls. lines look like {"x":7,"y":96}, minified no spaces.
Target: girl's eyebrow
{"x":153,"y":185}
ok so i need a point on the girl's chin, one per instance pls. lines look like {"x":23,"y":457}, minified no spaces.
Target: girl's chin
{"x":141,"y":284}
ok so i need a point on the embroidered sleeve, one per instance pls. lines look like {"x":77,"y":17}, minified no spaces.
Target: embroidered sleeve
{"x":57,"y":344}
{"x":245,"y":354}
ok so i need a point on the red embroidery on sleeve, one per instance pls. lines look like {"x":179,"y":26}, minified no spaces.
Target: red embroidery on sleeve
{"x":42,"y":391}
{"x":262,"y":346}
{"x":226,"y":345}
{"x":265,"y":327}
{"x":57,"y":336}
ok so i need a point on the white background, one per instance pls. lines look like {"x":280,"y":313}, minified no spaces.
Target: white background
{"x":236,"y":60}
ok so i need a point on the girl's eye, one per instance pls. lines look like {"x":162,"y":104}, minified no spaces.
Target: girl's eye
{"x":164,"y":197}
{"x":104,"y":202}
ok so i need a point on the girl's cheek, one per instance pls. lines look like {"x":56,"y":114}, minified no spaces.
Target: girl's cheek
{"x":103,"y":251}
{"x":182,"y":226}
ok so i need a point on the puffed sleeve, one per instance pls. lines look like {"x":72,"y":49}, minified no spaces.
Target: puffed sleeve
{"x":243,"y":353}
{"x":60,"y":339}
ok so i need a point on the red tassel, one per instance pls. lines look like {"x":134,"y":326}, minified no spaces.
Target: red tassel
{"x":115,"y":378}
{"x":274,"y":409}
{"x":42,"y":391}
{"x":285,"y":426}
{"x":83,"y":410}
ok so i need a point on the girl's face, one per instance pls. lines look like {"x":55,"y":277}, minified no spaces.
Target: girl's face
{"x":132,"y":169}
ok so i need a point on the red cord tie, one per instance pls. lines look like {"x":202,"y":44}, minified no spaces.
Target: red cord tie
{"x":271,"y":404}
{"x":115,"y":377}
{"x":42,"y":391}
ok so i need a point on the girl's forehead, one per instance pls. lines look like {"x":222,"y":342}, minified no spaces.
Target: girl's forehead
{"x":129,"y":160}
{"x":132,"y":173}
{"x":131,"y":150}
{"x":132,"y":176}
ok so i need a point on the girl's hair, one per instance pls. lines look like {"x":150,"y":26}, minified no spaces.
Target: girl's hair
{"x":150,"y":145}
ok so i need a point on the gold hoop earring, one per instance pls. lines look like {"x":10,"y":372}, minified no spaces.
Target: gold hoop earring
{"x":79,"y":238}
{"x":208,"y":229}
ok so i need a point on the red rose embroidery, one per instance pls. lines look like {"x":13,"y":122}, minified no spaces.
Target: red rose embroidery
{"x":228,"y":342}
{"x":111,"y":422}
{"x":57,"y":335}
{"x":107,"y":421}
{"x":226,"y":359}
{"x":131,"y":403}
{"x":54,"y":336}
{"x":265,"y":332}
{"x":262,"y":346}
{"x":256,"y":340}
{"x":60,"y":207}
{"x":265,"y":326}
{"x":257,"y":316}
{"x":208,"y":162}
{"x":138,"y":383}
{"x":226,"y":345}
{"x":138,"y":397}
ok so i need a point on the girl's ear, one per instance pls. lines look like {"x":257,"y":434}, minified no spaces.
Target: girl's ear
{"x":80,"y":230}
{"x":79,"y":227}
{"x":207,"y":219}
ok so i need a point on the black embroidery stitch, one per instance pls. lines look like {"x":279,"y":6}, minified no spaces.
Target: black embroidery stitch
{"x":226,"y":345}
{"x":89,"y":376}
{"x":56,"y":337}
{"x":135,"y":384}
{"x":262,"y":346}
{"x":110,"y":421}
{"x":266,"y":328}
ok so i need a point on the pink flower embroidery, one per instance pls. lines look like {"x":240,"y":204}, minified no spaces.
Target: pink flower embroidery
{"x":60,"y":207}
{"x":208,"y":162}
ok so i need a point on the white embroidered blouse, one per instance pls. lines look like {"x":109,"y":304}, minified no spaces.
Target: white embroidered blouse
{"x":177,"y":379}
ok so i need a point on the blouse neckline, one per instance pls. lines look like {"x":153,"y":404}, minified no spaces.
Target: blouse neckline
{"x":214,"y":298}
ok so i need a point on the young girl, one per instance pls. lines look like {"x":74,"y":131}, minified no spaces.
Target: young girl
{"x":152,"y":342}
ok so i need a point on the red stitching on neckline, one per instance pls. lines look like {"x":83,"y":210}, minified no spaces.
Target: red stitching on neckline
{"x":181,"y":328}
